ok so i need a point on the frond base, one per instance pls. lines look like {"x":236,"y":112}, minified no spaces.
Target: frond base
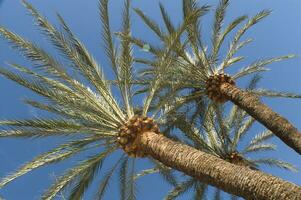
{"x":237,"y":159}
{"x":131,"y":130}
{"x":213,"y":85}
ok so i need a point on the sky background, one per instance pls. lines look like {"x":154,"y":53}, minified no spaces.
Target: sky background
{"x":278,"y":34}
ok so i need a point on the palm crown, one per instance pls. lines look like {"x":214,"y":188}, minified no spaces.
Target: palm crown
{"x":194,"y":65}
{"x":88,"y":113}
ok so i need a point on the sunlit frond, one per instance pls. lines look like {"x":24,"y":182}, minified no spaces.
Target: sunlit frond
{"x":217,"y":26}
{"x":234,"y":46}
{"x":259,"y":66}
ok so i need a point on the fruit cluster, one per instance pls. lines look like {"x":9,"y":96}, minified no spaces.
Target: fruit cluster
{"x":213,"y":84}
{"x":237,"y":159}
{"x":131,"y":130}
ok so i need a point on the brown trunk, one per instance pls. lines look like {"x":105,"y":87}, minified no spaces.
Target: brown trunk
{"x":238,"y":180}
{"x":281,"y":127}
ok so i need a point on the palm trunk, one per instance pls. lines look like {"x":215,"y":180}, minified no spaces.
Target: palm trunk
{"x":281,"y":127}
{"x":238,"y":180}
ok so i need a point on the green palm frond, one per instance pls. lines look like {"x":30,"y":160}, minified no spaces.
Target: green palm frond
{"x":58,"y":154}
{"x":123,"y":171}
{"x":275,"y":163}
{"x":271,"y":93}
{"x":259,"y":147}
{"x":165,"y":172}
{"x":218,"y":22}
{"x":146,"y":172}
{"x":261,"y":137}
{"x":126,"y":63}
{"x":150,"y":23}
{"x":167,"y":20}
{"x":104,"y":184}
{"x":200,"y":191}
{"x":74,"y":172}
{"x":132,"y":183}
{"x":239,"y":133}
{"x":259,"y":66}
{"x":180,"y":189}
{"x":235,"y":45}
{"x":84,"y":181}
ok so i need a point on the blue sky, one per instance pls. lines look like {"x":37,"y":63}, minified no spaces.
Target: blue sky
{"x":279,"y":34}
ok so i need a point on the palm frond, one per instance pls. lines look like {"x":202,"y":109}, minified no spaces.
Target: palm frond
{"x":179,"y":189}
{"x":146,"y":172}
{"x":217,"y":26}
{"x":228,"y":29}
{"x":106,"y":34}
{"x":126,"y":62}
{"x":58,"y":154}
{"x":235,"y":43}
{"x":166,"y":173}
{"x":106,"y":180}
{"x":167,"y":20}
{"x":259,"y":147}
{"x":150,"y":23}
{"x":85,"y":181}
{"x":259,"y":66}
{"x":265,"y":135}
{"x":123,"y":171}
{"x":276,"y":163}
{"x":200,"y":191}
{"x":41,"y":58}
{"x":131,"y":183}
{"x":239,"y":133}
{"x":70,"y":175}
{"x":271,"y":93}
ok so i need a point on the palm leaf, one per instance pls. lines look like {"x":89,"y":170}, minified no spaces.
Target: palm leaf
{"x":75,"y":172}
{"x":58,"y":154}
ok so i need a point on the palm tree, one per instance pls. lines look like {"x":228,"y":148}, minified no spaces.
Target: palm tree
{"x":85,"y":110}
{"x":207,"y":134}
{"x":197,"y":67}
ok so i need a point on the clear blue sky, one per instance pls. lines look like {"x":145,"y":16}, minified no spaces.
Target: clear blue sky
{"x":279,"y":34}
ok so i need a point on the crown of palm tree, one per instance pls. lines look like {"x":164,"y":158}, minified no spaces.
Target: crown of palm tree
{"x":194,"y":64}
{"x":88,"y":113}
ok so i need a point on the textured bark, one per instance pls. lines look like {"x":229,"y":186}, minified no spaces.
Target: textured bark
{"x":281,"y":127}
{"x":238,"y":180}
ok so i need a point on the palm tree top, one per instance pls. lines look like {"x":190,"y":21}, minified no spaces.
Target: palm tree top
{"x":202,"y":66}
{"x":84,"y":108}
